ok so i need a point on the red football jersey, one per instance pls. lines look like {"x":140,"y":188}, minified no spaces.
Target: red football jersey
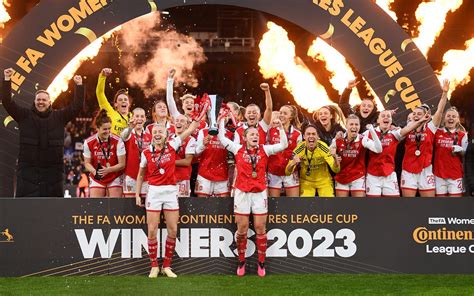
{"x":353,"y":160}
{"x":187,"y":147}
{"x":243,"y":165}
{"x":213,"y":159}
{"x":103,"y":152}
{"x":383,"y":164}
{"x":262,"y":132}
{"x":422,"y":141}
{"x":277,"y":163}
{"x":447,"y":165}
{"x":160,"y":165}
{"x":134,"y":145}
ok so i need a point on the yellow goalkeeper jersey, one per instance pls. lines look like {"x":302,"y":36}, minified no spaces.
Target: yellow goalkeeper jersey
{"x":314,"y":165}
{"x":119,"y":122}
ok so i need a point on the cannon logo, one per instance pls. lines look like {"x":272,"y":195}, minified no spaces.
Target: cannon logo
{"x":6,"y":236}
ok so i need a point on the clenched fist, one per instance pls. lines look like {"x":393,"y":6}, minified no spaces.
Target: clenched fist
{"x":264,"y":86}
{"x":8,"y":73}
{"x":106,"y":71}
{"x":172,"y":73}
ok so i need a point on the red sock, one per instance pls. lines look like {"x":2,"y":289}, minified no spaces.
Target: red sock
{"x":152,"y":249}
{"x":241,"y":246}
{"x":169,"y":251}
{"x":262,"y":247}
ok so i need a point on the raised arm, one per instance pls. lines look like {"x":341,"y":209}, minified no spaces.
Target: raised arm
{"x":275,"y":148}
{"x":169,"y":95}
{"x":16,"y":112}
{"x":100,"y":91}
{"x":413,"y":125}
{"x":71,"y":111}
{"x":373,"y":144}
{"x":228,"y":144}
{"x":201,"y":142}
{"x":191,"y":128}
{"x":267,"y":115}
{"x":437,"y":117}
{"x":345,"y":96}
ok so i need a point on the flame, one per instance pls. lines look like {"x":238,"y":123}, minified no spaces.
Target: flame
{"x":457,"y":65}
{"x":341,"y":72}
{"x":385,"y":5}
{"x":61,"y":82}
{"x":278,"y":61}
{"x":432,"y":17}
{"x":4,"y":16}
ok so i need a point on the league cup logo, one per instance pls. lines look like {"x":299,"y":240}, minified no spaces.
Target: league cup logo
{"x":213,"y":114}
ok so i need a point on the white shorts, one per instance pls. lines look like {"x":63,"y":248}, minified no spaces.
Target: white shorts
{"x":164,"y":197}
{"x":250,"y":202}
{"x":448,"y":186}
{"x":207,"y":187}
{"x":130,"y":187}
{"x":354,"y":186}
{"x":424,"y":181}
{"x":382,"y":186}
{"x":287,"y":182}
{"x":117,"y":183}
{"x":184,"y":188}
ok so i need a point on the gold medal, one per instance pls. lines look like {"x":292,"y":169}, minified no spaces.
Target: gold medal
{"x":107,"y":164}
{"x":254,"y":175}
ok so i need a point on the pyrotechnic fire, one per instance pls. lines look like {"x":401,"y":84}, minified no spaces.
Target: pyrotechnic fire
{"x":385,"y":5}
{"x":341,"y":72}
{"x":457,"y":65}
{"x":432,"y":16}
{"x":278,"y":61}
{"x":60,"y":83}
{"x":4,"y":16}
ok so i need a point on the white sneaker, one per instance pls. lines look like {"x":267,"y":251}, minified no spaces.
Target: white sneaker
{"x":154,"y":272}
{"x":168,"y":272}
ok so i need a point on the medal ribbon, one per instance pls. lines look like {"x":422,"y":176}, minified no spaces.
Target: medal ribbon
{"x":308,"y":172}
{"x":106,"y":155}
{"x":418,"y":138}
{"x":139,"y":144}
{"x":253,"y":159}
{"x":157,"y":163}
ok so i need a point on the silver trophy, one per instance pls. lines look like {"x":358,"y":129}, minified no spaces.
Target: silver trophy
{"x":213,"y":114}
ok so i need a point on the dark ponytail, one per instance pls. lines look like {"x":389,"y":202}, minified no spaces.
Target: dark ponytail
{"x":101,"y":118}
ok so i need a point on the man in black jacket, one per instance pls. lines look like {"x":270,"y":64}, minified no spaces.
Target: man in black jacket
{"x":40,"y":159}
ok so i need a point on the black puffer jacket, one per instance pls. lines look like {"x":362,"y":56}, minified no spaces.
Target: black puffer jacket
{"x":40,"y":158}
{"x":347,"y":109}
{"x":327,"y":136}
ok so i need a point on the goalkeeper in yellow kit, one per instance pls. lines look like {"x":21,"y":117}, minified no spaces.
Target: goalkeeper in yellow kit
{"x":120,"y":113}
{"x":313,"y":158}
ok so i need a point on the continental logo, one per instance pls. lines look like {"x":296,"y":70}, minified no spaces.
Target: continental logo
{"x":422,"y":235}
{"x":6,"y":236}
